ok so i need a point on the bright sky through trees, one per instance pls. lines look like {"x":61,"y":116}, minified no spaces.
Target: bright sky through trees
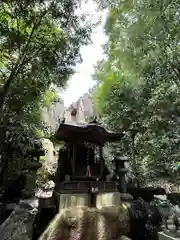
{"x":81,"y":81}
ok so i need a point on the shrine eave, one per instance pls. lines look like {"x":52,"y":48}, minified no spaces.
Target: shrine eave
{"x":90,"y":133}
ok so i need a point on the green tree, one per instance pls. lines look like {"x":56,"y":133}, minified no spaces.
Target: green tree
{"x":139,"y":80}
{"x":39,"y":46}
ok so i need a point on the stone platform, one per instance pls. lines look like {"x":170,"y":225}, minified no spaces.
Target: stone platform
{"x":163,"y":236}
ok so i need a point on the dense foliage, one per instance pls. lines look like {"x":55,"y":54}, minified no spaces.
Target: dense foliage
{"x":39,"y":46}
{"x":138,"y":82}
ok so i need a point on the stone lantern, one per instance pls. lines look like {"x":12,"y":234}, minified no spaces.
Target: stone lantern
{"x":121,"y":171}
{"x":31,"y":169}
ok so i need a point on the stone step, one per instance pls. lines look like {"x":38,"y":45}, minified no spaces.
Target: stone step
{"x":163,"y":236}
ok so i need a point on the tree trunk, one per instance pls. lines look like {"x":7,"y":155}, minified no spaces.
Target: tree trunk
{"x":136,"y":181}
{"x":4,"y":92}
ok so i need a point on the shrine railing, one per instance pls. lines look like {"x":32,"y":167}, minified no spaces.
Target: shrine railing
{"x":87,"y":187}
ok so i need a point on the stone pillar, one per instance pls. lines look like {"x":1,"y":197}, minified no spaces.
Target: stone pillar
{"x":73,"y":200}
{"x":30,"y":184}
{"x":108,"y":199}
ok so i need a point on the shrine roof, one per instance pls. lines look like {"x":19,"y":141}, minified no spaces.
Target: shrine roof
{"x":89,"y":132}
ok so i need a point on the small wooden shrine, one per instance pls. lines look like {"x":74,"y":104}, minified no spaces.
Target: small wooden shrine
{"x":82,"y":178}
{"x":81,"y":166}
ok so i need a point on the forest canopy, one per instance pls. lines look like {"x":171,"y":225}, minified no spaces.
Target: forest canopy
{"x":39,"y":46}
{"x":138,"y":83}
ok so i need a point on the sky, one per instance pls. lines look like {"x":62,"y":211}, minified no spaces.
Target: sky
{"x":82,"y":81}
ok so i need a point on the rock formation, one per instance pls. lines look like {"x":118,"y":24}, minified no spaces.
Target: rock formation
{"x":81,"y":111}
{"x":50,"y":159}
{"x":88,"y":223}
{"x":53,"y":113}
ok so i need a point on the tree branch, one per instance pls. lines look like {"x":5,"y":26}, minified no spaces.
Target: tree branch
{"x":18,"y":64}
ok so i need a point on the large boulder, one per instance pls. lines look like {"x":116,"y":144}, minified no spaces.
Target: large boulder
{"x":136,"y":219}
{"x":146,"y":193}
{"x":19,"y":225}
{"x":88,"y":223}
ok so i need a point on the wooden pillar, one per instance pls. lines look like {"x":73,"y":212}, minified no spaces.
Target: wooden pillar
{"x":69,"y":150}
{"x":101,"y":162}
{"x":73,"y":159}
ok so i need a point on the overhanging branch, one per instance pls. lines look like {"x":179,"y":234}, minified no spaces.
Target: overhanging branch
{"x":18,"y":64}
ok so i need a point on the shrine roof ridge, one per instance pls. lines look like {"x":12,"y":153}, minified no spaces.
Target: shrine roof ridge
{"x":91,"y":132}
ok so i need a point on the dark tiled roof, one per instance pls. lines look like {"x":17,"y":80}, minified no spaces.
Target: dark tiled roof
{"x":87,"y":132}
